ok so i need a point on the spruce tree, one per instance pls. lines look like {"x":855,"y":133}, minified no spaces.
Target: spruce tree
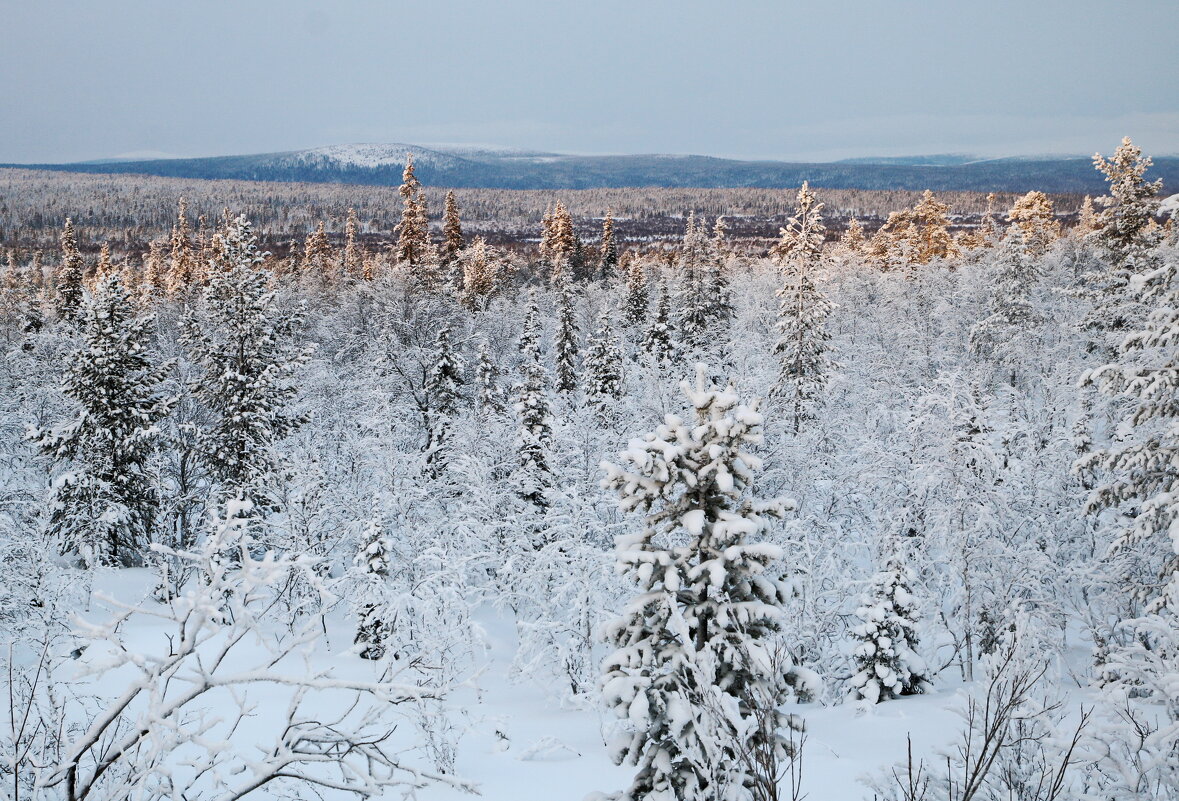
{"x":487,"y":380}
{"x":1001,"y":334}
{"x":352,"y":259}
{"x":636,"y":304}
{"x":413,"y":232}
{"x":240,"y":341}
{"x":603,"y":365}
{"x":478,"y":275}
{"x":71,"y":276}
{"x":697,"y":300}
{"x":105,"y":266}
{"x":373,"y":560}
{"x":561,"y":246}
{"x":657,"y":339}
{"x":565,"y":343}
{"x":692,"y":320}
{"x":609,"y":250}
{"x":443,"y":393}
{"x":534,"y":440}
{"x":105,"y":500}
{"x":319,"y":265}
{"x":1143,"y":464}
{"x":886,"y":659}
{"x":693,"y":676}
{"x":453,"y":240}
{"x":182,"y":270}
{"x":802,"y":349}
{"x":719,"y":298}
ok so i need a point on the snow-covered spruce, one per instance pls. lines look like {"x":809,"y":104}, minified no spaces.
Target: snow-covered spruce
{"x":443,"y":394}
{"x":696,"y":679}
{"x":565,"y":342}
{"x":240,"y":341}
{"x":105,"y":501}
{"x":886,"y":658}
{"x":802,"y":347}
{"x":373,"y":564}
{"x":533,"y":475}
{"x":657,"y":339}
{"x":603,"y":365}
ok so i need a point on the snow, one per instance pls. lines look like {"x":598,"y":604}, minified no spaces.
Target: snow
{"x":520,"y":745}
{"x":369,"y":156}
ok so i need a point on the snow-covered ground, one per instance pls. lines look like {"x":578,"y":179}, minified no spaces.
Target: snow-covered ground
{"x":519,"y":744}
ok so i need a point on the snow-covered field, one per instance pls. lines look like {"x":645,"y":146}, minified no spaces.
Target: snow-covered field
{"x":519,"y":743}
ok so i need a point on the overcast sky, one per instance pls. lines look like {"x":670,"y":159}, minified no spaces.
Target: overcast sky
{"x":772,"y":78}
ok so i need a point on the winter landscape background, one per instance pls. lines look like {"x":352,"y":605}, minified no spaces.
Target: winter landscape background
{"x":785,"y":406}
{"x":347,"y":519}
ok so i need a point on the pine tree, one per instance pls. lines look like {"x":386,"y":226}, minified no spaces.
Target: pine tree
{"x":657,"y":340}
{"x":691,"y":675}
{"x":887,"y":662}
{"x":105,"y":500}
{"x":352,"y":264}
{"x":1034,"y":215}
{"x":453,"y":240}
{"x":1124,"y":225}
{"x":933,"y":234}
{"x":71,"y":275}
{"x":444,"y":392}
{"x":565,"y":343}
{"x":801,"y":241}
{"x":1125,"y":238}
{"x":413,"y":232}
{"x":988,"y":228}
{"x":240,"y":342}
{"x":1087,"y":221}
{"x":636,"y":303}
{"x":804,"y":364}
{"x":853,"y":240}
{"x":894,"y":245}
{"x":609,"y":250}
{"x":373,"y":560}
{"x":603,"y":365}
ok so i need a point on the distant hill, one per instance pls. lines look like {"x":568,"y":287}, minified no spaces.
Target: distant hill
{"x":503,"y":168}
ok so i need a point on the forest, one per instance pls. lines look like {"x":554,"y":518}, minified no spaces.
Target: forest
{"x":312,"y":491}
